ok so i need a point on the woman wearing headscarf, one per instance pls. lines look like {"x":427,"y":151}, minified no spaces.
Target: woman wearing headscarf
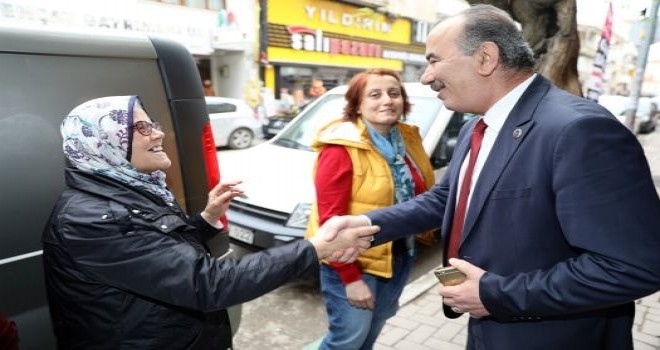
{"x":125,"y":267}
{"x":368,"y":159}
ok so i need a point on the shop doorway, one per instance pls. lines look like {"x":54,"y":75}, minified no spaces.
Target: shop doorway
{"x":204,"y":67}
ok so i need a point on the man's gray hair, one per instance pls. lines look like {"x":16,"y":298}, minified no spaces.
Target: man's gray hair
{"x":485,"y":23}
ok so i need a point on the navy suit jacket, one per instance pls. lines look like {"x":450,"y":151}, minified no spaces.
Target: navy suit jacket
{"x":564,"y":218}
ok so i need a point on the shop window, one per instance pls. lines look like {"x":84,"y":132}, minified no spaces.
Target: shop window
{"x":196,"y":3}
{"x":204,"y":67}
{"x":216,"y":5}
{"x":420,"y":31}
{"x":295,"y":78}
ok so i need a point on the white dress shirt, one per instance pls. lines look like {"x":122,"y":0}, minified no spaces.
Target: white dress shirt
{"x":494,"y":119}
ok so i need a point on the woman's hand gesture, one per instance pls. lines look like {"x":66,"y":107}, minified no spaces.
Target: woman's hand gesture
{"x":219,"y":198}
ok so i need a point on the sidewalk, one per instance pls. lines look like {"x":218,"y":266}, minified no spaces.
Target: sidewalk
{"x":420,"y":324}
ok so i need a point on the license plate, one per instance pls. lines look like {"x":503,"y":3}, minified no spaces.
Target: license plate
{"x":241,"y":234}
{"x":273,"y":131}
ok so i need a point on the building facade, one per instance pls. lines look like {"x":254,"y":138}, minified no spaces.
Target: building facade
{"x":219,"y":34}
{"x":622,"y":57}
{"x":330,"y":41}
{"x":620,"y":64}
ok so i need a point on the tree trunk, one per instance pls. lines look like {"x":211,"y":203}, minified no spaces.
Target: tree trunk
{"x":550,"y":28}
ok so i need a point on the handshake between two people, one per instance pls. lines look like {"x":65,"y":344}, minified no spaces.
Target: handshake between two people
{"x":340,"y":239}
{"x":343,"y":238}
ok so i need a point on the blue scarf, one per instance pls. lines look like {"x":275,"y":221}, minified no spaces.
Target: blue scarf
{"x":393,"y":150}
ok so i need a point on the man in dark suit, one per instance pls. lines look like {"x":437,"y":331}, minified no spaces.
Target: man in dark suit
{"x":559,"y":228}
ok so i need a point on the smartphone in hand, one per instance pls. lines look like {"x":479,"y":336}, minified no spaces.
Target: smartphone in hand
{"x":449,"y":275}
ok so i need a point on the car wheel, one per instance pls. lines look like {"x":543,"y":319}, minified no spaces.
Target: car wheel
{"x":240,"y":138}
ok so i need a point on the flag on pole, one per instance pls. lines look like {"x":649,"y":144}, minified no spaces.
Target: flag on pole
{"x":595,"y":82}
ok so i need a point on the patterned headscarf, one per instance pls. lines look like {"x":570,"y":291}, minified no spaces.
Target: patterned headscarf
{"x":98,"y":140}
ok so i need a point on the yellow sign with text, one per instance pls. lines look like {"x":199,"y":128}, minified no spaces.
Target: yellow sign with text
{"x":278,"y":54}
{"x":339,"y":18}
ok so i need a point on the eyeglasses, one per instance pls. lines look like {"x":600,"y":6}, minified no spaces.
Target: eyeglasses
{"x":145,"y":128}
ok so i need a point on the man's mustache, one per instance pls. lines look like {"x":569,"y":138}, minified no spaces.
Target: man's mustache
{"x":436,"y":85}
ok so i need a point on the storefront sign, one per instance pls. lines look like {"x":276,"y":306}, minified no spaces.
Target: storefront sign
{"x":303,"y":38}
{"x":407,"y":57}
{"x":191,"y":27}
{"x":337,"y":34}
{"x":223,"y":38}
{"x":346,"y":19}
{"x":340,"y":18}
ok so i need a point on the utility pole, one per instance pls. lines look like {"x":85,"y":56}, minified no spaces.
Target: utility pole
{"x":636,"y":87}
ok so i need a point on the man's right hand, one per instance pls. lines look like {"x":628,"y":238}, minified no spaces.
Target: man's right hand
{"x":335,"y":224}
{"x":343,"y":238}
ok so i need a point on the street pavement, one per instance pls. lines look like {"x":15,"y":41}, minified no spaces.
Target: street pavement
{"x":420,"y":323}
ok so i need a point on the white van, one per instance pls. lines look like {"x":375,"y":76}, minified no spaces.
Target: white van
{"x":277,"y":175}
{"x":43,"y":75}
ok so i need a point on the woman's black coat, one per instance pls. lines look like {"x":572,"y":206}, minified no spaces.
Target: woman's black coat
{"x":126,"y":271}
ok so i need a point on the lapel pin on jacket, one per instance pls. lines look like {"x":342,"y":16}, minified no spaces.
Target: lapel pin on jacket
{"x":517,"y":133}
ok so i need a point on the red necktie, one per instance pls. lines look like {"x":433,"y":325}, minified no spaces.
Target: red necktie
{"x":459,"y":215}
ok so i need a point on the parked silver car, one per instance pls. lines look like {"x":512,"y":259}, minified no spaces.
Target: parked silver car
{"x":645,"y":117}
{"x":234,"y":123}
{"x":277,"y":174}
